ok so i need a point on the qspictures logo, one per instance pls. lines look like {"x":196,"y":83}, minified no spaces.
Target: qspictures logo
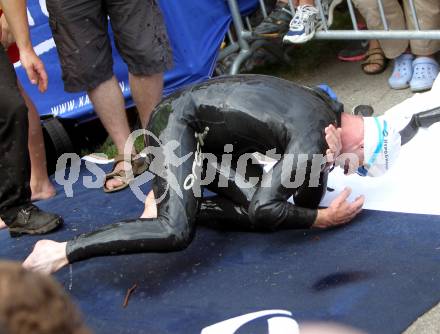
{"x":191,"y":169}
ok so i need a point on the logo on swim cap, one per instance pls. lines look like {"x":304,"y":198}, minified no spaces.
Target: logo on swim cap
{"x":381,"y":146}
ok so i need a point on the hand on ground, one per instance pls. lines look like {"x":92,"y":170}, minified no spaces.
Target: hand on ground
{"x":340,"y":211}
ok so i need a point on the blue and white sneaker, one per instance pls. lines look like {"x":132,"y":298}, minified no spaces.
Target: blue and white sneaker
{"x":303,"y":25}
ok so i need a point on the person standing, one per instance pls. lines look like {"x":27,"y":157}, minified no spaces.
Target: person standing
{"x":41,"y":186}
{"x":414,"y":63}
{"x":16,"y":209}
{"x":80,"y":31}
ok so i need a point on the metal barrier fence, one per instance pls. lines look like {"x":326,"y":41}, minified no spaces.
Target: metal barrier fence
{"x":245,"y":43}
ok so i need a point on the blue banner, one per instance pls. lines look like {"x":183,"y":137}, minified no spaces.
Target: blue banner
{"x":196,"y":29}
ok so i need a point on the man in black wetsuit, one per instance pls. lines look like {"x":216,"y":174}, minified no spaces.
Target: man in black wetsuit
{"x":230,"y":117}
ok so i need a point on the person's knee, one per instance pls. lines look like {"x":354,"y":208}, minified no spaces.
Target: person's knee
{"x":182,"y":238}
{"x":180,"y":232}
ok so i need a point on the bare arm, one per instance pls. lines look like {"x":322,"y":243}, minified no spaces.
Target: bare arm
{"x":269,"y":208}
{"x":16,"y":15}
{"x":269,"y":204}
{"x":15,"y":12}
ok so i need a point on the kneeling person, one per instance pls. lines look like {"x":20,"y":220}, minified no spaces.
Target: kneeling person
{"x":232,"y":117}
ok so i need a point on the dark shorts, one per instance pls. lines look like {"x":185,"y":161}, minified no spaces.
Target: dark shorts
{"x":80,"y":32}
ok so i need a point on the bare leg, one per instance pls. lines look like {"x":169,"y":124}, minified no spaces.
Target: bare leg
{"x":146,"y":92}
{"x":173,"y":230}
{"x":41,"y":186}
{"x":108,"y":101}
{"x":150,"y":210}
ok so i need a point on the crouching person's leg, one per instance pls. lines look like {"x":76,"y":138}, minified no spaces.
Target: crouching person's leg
{"x":172,"y":230}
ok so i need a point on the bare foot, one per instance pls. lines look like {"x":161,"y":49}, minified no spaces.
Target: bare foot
{"x":113,"y":182}
{"x":2,"y":224}
{"x":42,"y":190}
{"x":150,"y":210}
{"x":47,"y":257}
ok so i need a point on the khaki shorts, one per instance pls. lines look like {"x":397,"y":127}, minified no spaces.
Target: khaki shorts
{"x":80,"y":31}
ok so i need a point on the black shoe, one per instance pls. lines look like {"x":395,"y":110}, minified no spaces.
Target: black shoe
{"x":276,"y":24}
{"x":31,"y":220}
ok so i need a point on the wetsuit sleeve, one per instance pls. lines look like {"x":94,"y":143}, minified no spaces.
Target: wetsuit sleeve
{"x":269,"y":207}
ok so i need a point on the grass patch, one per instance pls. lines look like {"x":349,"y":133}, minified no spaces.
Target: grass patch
{"x":109,"y":149}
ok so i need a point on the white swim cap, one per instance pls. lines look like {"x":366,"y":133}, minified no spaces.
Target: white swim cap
{"x":381,"y":146}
